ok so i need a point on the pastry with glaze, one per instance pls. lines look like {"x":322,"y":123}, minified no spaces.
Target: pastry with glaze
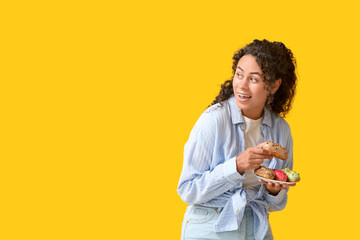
{"x":276,"y":149}
{"x":265,"y":172}
{"x":291,"y":175}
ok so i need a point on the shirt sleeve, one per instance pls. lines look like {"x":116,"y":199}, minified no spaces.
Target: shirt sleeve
{"x":278,"y":202}
{"x":199,"y":182}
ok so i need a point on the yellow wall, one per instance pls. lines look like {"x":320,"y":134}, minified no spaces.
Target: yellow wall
{"x":98,"y":99}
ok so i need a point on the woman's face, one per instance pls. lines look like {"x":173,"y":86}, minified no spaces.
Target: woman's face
{"x":249,"y":87}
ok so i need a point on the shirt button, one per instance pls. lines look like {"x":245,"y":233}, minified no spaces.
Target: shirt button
{"x":238,"y":211}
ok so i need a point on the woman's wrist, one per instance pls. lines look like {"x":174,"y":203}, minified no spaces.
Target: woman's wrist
{"x":273,"y":193}
{"x":239,"y":169}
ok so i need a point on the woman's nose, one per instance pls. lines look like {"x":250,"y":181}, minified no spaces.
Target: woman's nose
{"x":243,"y":84}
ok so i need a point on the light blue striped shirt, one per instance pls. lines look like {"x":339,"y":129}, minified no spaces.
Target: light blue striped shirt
{"x":209,"y":175}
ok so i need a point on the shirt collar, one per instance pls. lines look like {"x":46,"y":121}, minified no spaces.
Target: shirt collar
{"x":237,"y":117}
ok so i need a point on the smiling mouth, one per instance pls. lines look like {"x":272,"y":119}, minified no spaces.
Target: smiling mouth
{"x":244,"y":96}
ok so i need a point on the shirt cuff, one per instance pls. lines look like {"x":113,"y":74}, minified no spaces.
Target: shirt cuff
{"x":230,"y":172}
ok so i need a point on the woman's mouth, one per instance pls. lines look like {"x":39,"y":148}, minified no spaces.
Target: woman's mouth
{"x":243,"y":96}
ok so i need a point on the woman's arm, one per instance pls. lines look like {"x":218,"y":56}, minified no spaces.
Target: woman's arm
{"x":198,"y":183}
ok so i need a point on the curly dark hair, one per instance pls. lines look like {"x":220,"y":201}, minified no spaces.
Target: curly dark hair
{"x":276,"y":61}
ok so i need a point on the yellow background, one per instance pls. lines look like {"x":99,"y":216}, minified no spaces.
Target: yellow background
{"x":98,"y":99}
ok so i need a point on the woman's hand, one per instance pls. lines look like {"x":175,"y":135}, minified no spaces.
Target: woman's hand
{"x":274,"y":188}
{"x":251,"y":158}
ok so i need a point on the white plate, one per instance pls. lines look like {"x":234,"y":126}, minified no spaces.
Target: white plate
{"x":274,"y":181}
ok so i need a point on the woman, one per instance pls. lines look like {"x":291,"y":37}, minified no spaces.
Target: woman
{"x":226,"y":199}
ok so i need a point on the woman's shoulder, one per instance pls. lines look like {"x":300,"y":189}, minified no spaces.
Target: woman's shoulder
{"x":215,"y":115}
{"x":217,"y":112}
{"x":279,"y":122}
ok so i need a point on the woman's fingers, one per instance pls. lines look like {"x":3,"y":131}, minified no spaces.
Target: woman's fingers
{"x":259,"y":153}
{"x":260,"y":156}
{"x":262,"y":181}
{"x":276,"y":186}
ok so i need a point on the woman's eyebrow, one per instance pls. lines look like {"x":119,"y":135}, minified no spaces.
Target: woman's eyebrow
{"x":257,"y":73}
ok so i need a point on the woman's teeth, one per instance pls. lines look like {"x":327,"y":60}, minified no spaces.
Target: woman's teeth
{"x":244,"y":96}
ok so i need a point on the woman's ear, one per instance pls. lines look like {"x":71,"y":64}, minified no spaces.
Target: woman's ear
{"x":276,"y":86}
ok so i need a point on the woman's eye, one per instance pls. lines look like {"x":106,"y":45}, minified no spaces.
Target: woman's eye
{"x":239,"y":75}
{"x":254,"y":80}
